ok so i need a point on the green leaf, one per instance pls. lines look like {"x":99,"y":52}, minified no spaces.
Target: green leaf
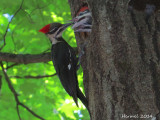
{"x":45,"y":96}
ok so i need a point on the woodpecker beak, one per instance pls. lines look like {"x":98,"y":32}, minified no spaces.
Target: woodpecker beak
{"x":62,"y":28}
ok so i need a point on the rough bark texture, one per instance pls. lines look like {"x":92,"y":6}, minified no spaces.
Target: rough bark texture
{"x":121,"y":62}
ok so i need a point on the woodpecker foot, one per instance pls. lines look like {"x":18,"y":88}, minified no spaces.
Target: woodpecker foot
{"x":81,"y":53}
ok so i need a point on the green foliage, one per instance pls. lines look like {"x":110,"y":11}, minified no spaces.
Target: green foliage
{"x":44,"y":96}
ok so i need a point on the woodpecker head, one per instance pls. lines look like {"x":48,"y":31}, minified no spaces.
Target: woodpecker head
{"x":83,"y":20}
{"x":54,"y":30}
{"x":83,"y":12}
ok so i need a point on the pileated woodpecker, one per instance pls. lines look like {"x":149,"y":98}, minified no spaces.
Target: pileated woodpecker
{"x":83,"y":20}
{"x":64,"y":60}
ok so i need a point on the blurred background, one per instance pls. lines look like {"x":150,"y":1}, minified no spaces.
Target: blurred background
{"x":45,"y":96}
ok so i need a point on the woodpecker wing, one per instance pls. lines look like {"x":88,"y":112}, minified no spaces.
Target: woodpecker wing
{"x":65,"y":63}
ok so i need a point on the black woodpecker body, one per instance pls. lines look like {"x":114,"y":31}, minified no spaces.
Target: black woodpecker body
{"x":64,"y":60}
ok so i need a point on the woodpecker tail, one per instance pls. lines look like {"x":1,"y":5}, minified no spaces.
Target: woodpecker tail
{"x":75,"y":100}
{"x":82,"y":98}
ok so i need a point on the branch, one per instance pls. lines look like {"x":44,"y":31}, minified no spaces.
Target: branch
{"x":15,"y":64}
{"x":4,"y":37}
{"x":29,"y":16}
{"x":33,"y":113}
{"x":16,"y":96}
{"x":27,"y":58}
{"x":17,"y":107}
{"x":35,"y":77}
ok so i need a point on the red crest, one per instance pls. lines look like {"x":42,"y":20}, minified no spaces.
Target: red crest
{"x":82,"y":9}
{"x":45,"y":29}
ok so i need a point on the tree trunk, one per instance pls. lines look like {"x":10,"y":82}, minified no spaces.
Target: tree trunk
{"x":121,"y":62}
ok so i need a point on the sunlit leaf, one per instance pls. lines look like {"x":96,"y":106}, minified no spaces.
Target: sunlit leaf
{"x":45,"y":96}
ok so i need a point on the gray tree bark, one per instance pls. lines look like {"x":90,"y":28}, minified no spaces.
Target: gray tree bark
{"x":121,"y":65}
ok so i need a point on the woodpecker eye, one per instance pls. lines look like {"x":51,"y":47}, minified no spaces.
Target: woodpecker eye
{"x":82,"y":13}
{"x":86,"y":11}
